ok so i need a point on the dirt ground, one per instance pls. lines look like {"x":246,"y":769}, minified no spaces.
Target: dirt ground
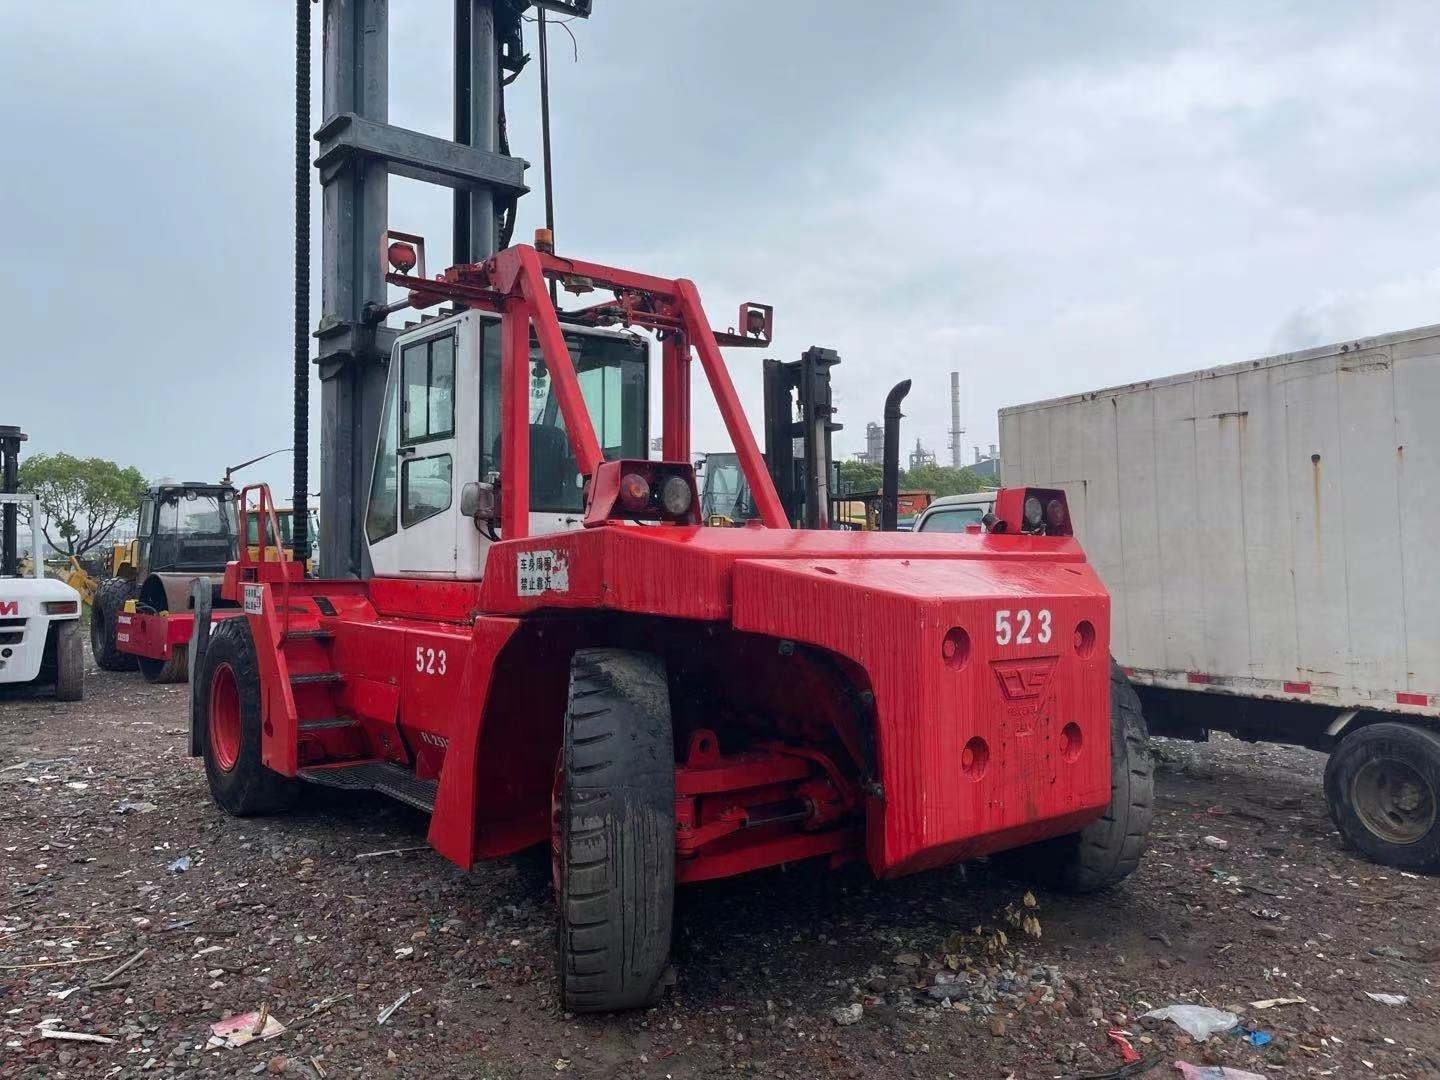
{"x":109,"y":845}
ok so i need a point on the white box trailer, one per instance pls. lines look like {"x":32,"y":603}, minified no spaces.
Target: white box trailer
{"x":1267,"y":530}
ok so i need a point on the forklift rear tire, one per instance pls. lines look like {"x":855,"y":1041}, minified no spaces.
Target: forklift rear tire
{"x":229,"y":693}
{"x":613,"y":833}
{"x":109,"y":604}
{"x":69,"y":662}
{"x":1108,"y":850}
{"x":1383,"y":786}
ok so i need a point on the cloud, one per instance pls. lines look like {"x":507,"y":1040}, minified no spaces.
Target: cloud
{"x":1048,"y":197}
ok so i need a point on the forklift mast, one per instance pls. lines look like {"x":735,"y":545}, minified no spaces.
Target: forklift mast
{"x":359,"y":149}
{"x":799,"y":425}
{"x":10,"y":440}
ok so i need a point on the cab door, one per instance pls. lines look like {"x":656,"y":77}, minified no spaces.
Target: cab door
{"x":408,"y":522}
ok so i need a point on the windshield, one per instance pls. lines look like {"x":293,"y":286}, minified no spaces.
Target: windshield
{"x":613,"y":375}
{"x":953,"y":521}
{"x":726,"y":492}
{"x":195,"y":530}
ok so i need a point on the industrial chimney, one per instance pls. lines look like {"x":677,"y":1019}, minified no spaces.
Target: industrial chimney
{"x":957,"y":433}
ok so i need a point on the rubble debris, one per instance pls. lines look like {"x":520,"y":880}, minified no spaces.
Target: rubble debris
{"x":1213,"y":1072}
{"x":236,"y":1031}
{"x":109,"y":979}
{"x":1388,"y":999}
{"x":393,"y":851}
{"x":1128,"y":1054}
{"x":73,"y":1036}
{"x":180,"y":865}
{"x":845,"y":1015}
{"x":1275,"y":1003}
{"x":1197,"y":1021}
{"x":389,"y":1010}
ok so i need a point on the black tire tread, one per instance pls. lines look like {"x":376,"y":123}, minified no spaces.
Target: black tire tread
{"x":1420,"y":747}
{"x":109,"y":603}
{"x":69,"y":662}
{"x":617,"y":874}
{"x":250,"y":789}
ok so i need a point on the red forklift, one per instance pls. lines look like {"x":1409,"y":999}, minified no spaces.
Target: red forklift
{"x":544,"y":647}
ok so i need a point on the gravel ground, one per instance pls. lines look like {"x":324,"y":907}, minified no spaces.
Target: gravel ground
{"x":110,"y":847}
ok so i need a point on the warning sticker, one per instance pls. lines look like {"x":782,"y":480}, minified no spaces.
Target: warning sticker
{"x":254,"y":602}
{"x":539,"y":572}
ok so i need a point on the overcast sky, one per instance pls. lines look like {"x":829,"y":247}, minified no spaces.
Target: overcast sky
{"x":1047,"y":197}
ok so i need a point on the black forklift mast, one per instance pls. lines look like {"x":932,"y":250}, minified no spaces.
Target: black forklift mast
{"x":799,"y":423}
{"x":10,"y":440}
{"x":359,"y":149}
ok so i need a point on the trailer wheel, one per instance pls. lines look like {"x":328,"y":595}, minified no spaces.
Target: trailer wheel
{"x":109,"y":603}
{"x":1106,"y":851}
{"x":613,"y":820}
{"x":1383,"y":787}
{"x":229,"y":690}
{"x":69,"y":662}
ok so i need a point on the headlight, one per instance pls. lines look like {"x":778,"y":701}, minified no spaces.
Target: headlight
{"x":1034,"y":512}
{"x":675,"y":494}
{"x":1055,"y":513}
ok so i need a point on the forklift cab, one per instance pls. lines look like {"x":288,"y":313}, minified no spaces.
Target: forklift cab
{"x":440,"y":429}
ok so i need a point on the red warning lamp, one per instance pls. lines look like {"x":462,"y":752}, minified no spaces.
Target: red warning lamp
{"x":634,"y":492}
{"x":402,"y":256}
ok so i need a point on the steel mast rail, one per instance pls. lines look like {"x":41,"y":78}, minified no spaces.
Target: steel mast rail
{"x":359,"y":149}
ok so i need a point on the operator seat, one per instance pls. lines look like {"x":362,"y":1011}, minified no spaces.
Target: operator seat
{"x":552,"y":465}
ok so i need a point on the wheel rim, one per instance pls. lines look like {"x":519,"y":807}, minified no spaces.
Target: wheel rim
{"x":557,"y":812}
{"x":224,"y":718}
{"x":1393,"y":800}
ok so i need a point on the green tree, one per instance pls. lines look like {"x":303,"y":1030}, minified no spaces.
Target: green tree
{"x":941,"y":480}
{"x":859,"y":476}
{"x":81,"y":499}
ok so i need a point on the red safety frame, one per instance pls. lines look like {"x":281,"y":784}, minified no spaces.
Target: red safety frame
{"x":513,"y":283}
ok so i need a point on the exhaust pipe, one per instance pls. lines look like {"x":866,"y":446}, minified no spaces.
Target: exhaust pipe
{"x":890,"y":483}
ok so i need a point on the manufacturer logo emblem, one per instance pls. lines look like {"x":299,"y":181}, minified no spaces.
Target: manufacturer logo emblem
{"x":9,"y":607}
{"x":1023,"y":684}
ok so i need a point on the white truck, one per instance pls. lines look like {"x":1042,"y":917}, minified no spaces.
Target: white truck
{"x":1266,"y":530}
{"x":40,"y":637}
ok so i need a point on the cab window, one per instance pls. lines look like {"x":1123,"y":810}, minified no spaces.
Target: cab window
{"x":383,"y":512}
{"x":419,"y":409}
{"x":429,"y":404}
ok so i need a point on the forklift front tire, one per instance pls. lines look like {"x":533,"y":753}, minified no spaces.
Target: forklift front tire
{"x":69,"y":662}
{"x":229,"y":691}
{"x":613,"y":833}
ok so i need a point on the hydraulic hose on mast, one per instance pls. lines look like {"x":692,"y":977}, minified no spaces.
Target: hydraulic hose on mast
{"x":300,"y":519}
